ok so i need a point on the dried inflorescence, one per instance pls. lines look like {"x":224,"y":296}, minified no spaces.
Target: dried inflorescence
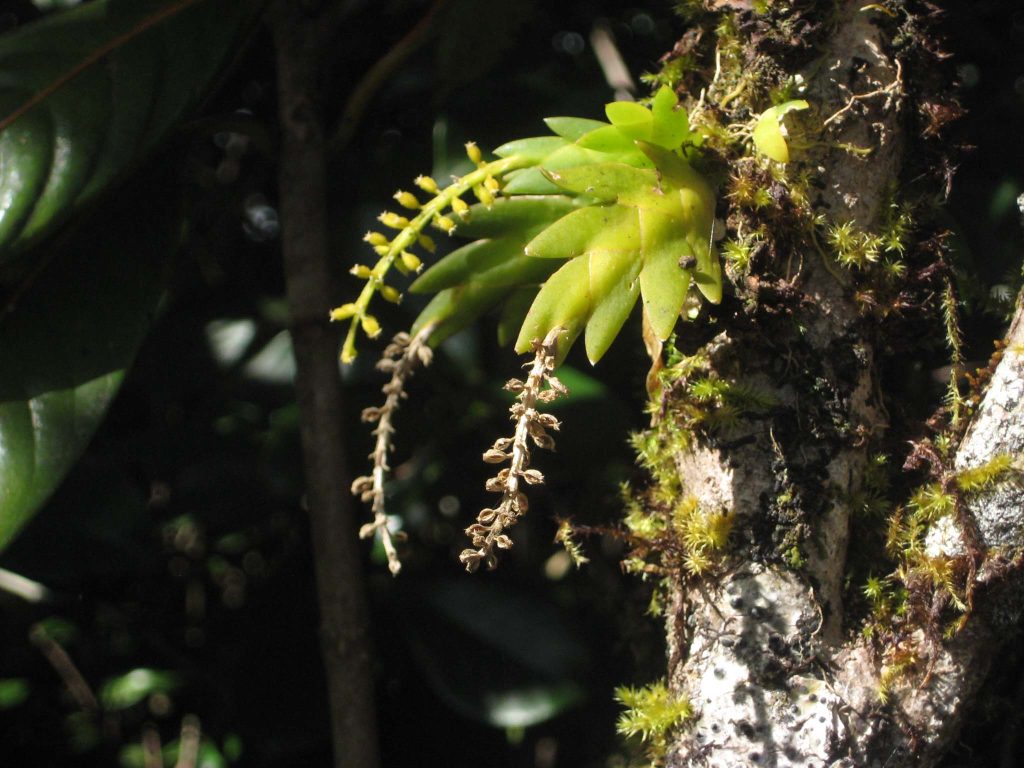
{"x":400,"y":358}
{"x":488,"y":532}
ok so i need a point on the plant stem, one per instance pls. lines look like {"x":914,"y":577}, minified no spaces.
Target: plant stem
{"x":303,"y":200}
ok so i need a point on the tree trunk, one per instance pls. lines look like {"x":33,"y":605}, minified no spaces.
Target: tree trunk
{"x":778,"y":673}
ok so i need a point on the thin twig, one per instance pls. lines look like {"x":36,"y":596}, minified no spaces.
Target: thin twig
{"x":400,"y":357}
{"x":894,"y":86}
{"x":376,"y":76}
{"x":188,"y":744}
{"x":344,"y":619}
{"x":59,"y":659}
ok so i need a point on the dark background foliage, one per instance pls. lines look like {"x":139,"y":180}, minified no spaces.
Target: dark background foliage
{"x":179,"y":545}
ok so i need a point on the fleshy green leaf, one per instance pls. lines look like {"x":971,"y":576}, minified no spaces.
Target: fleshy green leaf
{"x":485,"y":262}
{"x":65,"y":344}
{"x":633,"y":120}
{"x":606,"y":181}
{"x":513,"y":312}
{"x":535,"y":149}
{"x":88,"y":92}
{"x":769,"y":138}
{"x":671,"y":125}
{"x":604,"y":227}
{"x":455,"y":308}
{"x":572,"y":128}
{"x":513,"y":214}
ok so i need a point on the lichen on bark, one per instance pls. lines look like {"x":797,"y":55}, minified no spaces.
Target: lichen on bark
{"x":761,"y":643}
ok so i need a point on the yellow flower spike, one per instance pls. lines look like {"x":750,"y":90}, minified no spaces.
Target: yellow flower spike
{"x":390,"y":294}
{"x":473,"y":152}
{"x":461,"y":207}
{"x":344,"y":312}
{"x":361,"y":271}
{"x":407,"y":200}
{"x":427,"y":184}
{"x":411,"y":233}
{"x":393,"y":220}
{"x":410,"y":261}
{"x":370,"y":326}
{"x":376,"y":239}
{"x":492,"y":184}
{"x":427,"y":243}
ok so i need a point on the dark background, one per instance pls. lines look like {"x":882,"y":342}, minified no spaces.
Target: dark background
{"x":178,"y":544}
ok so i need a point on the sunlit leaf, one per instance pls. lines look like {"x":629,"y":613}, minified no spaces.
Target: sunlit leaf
{"x":129,"y":689}
{"x":633,"y":120}
{"x":604,"y":227}
{"x":769,"y":134}
{"x":535,"y":149}
{"x":671,"y":125}
{"x":513,"y":214}
{"x":572,"y":128}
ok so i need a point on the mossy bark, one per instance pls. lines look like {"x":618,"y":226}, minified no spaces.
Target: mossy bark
{"x":777,"y":670}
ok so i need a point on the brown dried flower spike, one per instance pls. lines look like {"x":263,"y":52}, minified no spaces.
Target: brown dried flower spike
{"x":487,"y":533}
{"x":399,"y":359}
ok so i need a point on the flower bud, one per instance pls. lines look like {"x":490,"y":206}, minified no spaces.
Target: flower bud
{"x":427,"y":243}
{"x":393,"y":220}
{"x":473,"y":152}
{"x":344,"y":312}
{"x":460,"y":207}
{"x":427,"y":184}
{"x":444,"y":224}
{"x":483,"y":194}
{"x":407,"y":200}
{"x":361,"y":271}
{"x":390,"y":294}
{"x":375,"y":238}
{"x":410,"y":261}
{"x":370,"y":326}
{"x":492,"y":184}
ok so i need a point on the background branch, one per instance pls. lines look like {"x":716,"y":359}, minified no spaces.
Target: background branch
{"x":303,"y":205}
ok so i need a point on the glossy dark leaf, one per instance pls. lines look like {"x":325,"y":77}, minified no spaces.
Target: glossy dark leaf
{"x":86,"y":93}
{"x":65,"y":343}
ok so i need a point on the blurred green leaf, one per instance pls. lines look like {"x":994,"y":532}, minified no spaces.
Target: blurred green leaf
{"x":493,"y":653}
{"x":127,"y":690}
{"x":13,"y":692}
{"x":86,"y":93}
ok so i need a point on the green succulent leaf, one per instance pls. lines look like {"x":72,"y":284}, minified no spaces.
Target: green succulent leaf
{"x":86,"y":93}
{"x":572,"y":128}
{"x":497,"y":262}
{"x":607,"y":182}
{"x":769,"y":138}
{"x":513,"y":312}
{"x":455,"y":308}
{"x":671,"y":125}
{"x":63,"y":352}
{"x":513,"y":214}
{"x":618,"y":202}
{"x":634,"y":121}
{"x":536,"y":150}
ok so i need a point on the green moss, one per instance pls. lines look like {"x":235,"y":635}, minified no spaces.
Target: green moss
{"x":652,"y":713}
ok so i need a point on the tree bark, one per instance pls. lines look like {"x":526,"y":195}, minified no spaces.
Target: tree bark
{"x":774,"y":668}
{"x":299,"y":35}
